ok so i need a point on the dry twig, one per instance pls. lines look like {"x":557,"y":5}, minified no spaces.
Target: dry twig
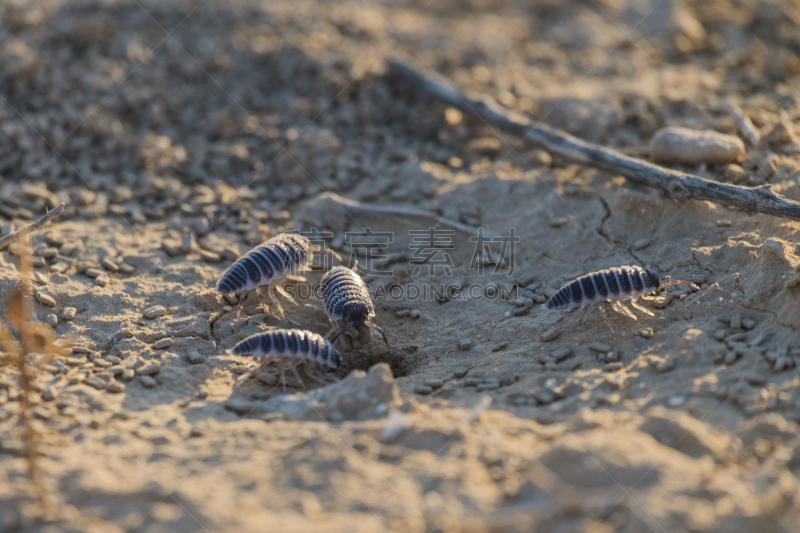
{"x":11,"y":237}
{"x":672,"y":182}
{"x":330,"y":202}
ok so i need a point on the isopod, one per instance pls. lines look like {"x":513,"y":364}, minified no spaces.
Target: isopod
{"x":267,"y":264}
{"x":292,"y":346}
{"x":346,"y":297}
{"x":610,"y":285}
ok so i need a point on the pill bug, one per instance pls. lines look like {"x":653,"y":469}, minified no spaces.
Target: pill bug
{"x":345,"y":297}
{"x":267,"y":264}
{"x":610,"y":285}
{"x":290,"y":348}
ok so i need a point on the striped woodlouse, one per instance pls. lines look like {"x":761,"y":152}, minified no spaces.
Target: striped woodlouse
{"x":267,"y":264}
{"x":612,"y":284}
{"x":290,"y":348}
{"x":346,"y":297}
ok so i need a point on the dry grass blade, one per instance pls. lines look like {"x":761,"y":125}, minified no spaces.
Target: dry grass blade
{"x":50,"y":215}
{"x":35,"y":338}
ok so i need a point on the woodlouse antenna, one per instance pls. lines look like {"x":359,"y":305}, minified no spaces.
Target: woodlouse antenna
{"x":320,"y":249}
{"x":347,"y":326}
{"x":373,"y":327}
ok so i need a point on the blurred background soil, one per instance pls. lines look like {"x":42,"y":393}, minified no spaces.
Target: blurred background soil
{"x":180,"y":134}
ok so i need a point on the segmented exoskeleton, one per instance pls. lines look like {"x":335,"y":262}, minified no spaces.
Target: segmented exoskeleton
{"x":267,"y":264}
{"x":292,"y":346}
{"x":345,"y":297}
{"x":610,"y":285}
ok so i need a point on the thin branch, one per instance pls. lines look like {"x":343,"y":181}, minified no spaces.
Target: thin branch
{"x":672,"y":182}
{"x":331,"y":201}
{"x":11,"y":237}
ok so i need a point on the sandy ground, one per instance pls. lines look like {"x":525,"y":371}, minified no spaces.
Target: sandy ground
{"x":180,"y":134}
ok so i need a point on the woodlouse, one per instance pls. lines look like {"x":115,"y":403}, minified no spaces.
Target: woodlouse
{"x":292,"y":346}
{"x":267,"y":264}
{"x":610,"y":285}
{"x":346,"y":297}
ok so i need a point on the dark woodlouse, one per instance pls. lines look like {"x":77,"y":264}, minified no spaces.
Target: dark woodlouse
{"x":291,"y":347}
{"x":345,"y":297}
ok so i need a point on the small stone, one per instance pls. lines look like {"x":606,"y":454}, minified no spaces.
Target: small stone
{"x":423,"y":389}
{"x":724,"y":223}
{"x":559,"y":222}
{"x":693,"y":147}
{"x":460,"y":372}
{"x":148,"y":381}
{"x":464,"y":344}
{"x":116,"y":370}
{"x":109,"y":265}
{"x":665,"y":366}
{"x":68,"y":313}
{"x":267,"y":378}
{"x":561,"y":354}
{"x":202,"y":394}
{"x":549,"y":335}
{"x":210,"y":257}
{"x":51,"y":319}
{"x":748,"y":323}
{"x":720,"y":335}
{"x":501,"y":346}
{"x":102,"y":363}
{"x":545,"y":396}
{"x":736,"y":322}
{"x":76,"y":378}
{"x":148,"y":370}
{"x":40,"y":278}
{"x":231,"y":299}
{"x":95,"y":382}
{"x":125,"y":268}
{"x":127,"y":374}
{"x":676,"y":401}
{"x":102,"y":281}
{"x":155,"y":311}
{"x":402,"y":313}
{"x":241,"y":407}
{"x":600,"y":347}
{"x":163,"y":343}
{"x":646,"y":333}
{"x":93,"y":272}
{"x":195,"y":357}
{"x":114,"y":360}
{"x":640,"y":244}
{"x":116,"y":387}
{"x":48,"y":394}
{"x":44,"y":299}
{"x":415,"y":313}
{"x":488,"y":385}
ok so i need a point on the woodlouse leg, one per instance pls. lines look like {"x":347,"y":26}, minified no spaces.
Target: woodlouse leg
{"x":286,"y":295}
{"x":283,"y":375}
{"x":320,"y":249}
{"x":315,"y":375}
{"x":330,"y":333}
{"x":241,"y":303}
{"x":263,"y":303}
{"x":274,"y":299}
{"x":620,"y":308}
{"x":565,"y":315}
{"x":583,"y":315}
{"x":636,"y":305}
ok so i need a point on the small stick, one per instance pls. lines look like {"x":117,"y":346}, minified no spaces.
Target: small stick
{"x":746,"y":129}
{"x":11,"y":237}
{"x":331,"y":201}
{"x":672,"y":182}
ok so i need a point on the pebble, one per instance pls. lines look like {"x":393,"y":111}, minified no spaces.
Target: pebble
{"x":549,"y":335}
{"x":125,"y":268}
{"x":195,"y":357}
{"x":640,"y":244}
{"x":163,"y":343}
{"x":48,"y":394}
{"x":724,"y":223}
{"x":267,"y":379}
{"x":115,"y":386}
{"x":736,"y":322}
{"x":461,"y":372}
{"x":102,"y":363}
{"x":600,"y":347}
{"x":501,"y":346}
{"x":464,"y":344}
{"x":433,"y":383}
{"x":748,"y":323}
{"x":127,"y":374}
{"x":116,"y":370}
{"x":102,"y":281}
{"x":545,"y":396}
{"x":40,"y":278}
{"x":693,"y":147}
{"x":415,"y":313}
{"x":44,"y":299}
{"x":646,"y":333}
{"x":148,"y":370}
{"x":241,"y":407}
{"x":114,"y":360}
{"x":51,"y":319}
{"x":720,"y":335}
{"x":402,"y":313}
{"x":153,"y":312}
{"x":676,"y":401}
{"x":423,"y":389}
{"x":95,"y":382}
{"x":93,"y":272}
{"x":489,"y":385}
{"x":148,"y":381}
{"x":561,"y":354}
{"x":109,"y":265}
{"x":665,"y":366}
{"x":559,"y":222}
{"x":210,"y":257}
{"x":75,"y":361}
{"x":68,"y":313}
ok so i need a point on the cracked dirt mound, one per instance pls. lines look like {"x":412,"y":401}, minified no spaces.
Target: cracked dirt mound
{"x":182,"y":134}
